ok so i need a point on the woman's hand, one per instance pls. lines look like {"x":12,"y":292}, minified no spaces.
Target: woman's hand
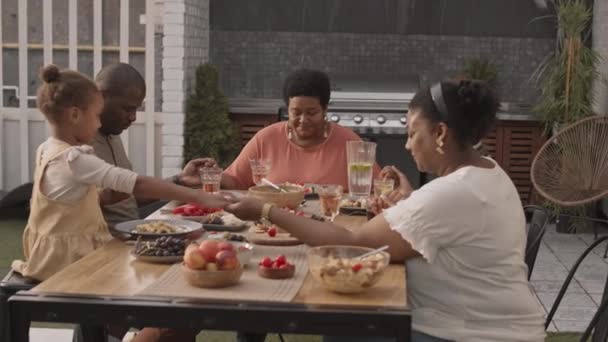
{"x":403,"y":188}
{"x":189,"y":176}
{"x":378,"y":204}
{"x":246,"y":208}
{"x":212,"y":201}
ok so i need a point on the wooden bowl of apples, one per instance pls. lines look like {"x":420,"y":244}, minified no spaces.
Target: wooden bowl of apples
{"x":212,"y":264}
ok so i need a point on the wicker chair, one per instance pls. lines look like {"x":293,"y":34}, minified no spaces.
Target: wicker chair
{"x":571,"y":168}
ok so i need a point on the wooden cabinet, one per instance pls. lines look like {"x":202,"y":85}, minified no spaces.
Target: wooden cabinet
{"x":513,"y":144}
{"x":249,"y":124}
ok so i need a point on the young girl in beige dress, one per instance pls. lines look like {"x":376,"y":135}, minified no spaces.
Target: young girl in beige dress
{"x":65,"y":221}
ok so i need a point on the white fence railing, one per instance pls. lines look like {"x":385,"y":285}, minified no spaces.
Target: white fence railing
{"x":23,"y":128}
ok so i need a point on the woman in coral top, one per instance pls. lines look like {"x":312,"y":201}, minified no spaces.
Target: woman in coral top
{"x":305,"y":149}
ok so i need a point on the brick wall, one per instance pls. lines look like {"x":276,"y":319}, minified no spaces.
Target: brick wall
{"x":185,"y":46}
{"x":254,"y":63}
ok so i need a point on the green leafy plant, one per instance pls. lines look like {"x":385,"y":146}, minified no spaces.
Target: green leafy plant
{"x":208,"y":130}
{"x":566,"y":75}
{"x":481,"y":69}
{"x":575,"y":216}
{"x":565,"y":78}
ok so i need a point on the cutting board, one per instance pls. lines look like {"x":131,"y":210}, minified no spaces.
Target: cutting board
{"x":281,"y":239}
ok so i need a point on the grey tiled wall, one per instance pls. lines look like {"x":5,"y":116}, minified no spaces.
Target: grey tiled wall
{"x":254,"y":63}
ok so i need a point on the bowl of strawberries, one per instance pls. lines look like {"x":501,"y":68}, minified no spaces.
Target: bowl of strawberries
{"x":277,"y":268}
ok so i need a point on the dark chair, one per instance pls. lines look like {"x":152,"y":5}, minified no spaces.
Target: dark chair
{"x":11,"y":284}
{"x":537,"y":218}
{"x":16,"y":202}
{"x":598,"y":327}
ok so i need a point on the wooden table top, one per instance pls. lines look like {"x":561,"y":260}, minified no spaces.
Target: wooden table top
{"x":112,"y":271}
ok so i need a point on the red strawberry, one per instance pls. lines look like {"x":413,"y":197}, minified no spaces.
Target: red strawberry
{"x":357,"y":267}
{"x":272,"y":232}
{"x":266,"y":262}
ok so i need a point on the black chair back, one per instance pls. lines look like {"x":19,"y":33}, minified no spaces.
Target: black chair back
{"x":598,"y":327}
{"x":537,"y":218}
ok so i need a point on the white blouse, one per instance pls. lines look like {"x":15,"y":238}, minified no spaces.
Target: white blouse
{"x":71,"y":172}
{"x":471,"y":282}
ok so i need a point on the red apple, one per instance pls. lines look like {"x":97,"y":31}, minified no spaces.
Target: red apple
{"x":227,"y":260}
{"x":225,"y":246}
{"x":193,"y":258}
{"x":281,"y":260}
{"x":209,"y":249}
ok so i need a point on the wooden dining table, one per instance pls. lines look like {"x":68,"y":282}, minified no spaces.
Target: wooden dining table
{"x":102,"y":289}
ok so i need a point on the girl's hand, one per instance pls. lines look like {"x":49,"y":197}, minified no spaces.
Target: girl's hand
{"x":247,"y":208}
{"x":403,"y":188}
{"x":189,"y":176}
{"x":212,"y":201}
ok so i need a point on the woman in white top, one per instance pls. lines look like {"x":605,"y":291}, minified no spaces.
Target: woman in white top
{"x":462,"y":235}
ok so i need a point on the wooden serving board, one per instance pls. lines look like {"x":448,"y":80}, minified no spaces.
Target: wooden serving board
{"x":281,"y":239}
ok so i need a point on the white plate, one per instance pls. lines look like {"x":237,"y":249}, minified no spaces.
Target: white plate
{"x":186,"y":227}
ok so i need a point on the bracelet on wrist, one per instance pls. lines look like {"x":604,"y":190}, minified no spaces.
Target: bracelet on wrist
{"x":265,"y":215}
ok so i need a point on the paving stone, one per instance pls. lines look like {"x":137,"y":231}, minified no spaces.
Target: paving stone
{"x":592,"y":273}
{"x":545,"y":273}
{"x":555,"y":286}
{"x":570,"y":299}
{"x":597,"y":298}
{"x":552,"y":327}
{"x":571,"y":326}
{"x":592,"y":286}
{"x":574,"y":313}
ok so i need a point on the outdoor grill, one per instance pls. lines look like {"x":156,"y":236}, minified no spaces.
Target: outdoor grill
{"x":375,"y":107}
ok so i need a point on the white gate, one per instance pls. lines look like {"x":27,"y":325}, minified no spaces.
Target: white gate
{"x":22,"y":127}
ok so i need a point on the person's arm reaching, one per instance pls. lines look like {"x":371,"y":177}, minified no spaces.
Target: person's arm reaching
{"x":374,"y":233}
{"x":238,"y":175}
{"x":188,"y":177}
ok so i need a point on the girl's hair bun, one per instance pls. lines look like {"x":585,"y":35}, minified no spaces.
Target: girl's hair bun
{"x":50,"y":73}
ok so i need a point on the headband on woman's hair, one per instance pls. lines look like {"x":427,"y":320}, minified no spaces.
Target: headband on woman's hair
{"x":437,"y":96}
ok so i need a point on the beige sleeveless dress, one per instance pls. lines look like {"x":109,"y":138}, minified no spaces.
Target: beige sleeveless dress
{"x":58,"y":233}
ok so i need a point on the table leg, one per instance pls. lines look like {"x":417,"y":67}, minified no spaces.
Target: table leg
{"x":94,"y":333}
{"x":19,"y":324}
{"x":404,"y":334}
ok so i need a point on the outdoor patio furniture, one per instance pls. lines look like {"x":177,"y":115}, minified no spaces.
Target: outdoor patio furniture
{"x":11,"y":284}
{"x":16,"y":202}
{"x":599,"y":323}
{"x":571,"y":168}
{"x":84,"y":294}
{"x":537,"y":218}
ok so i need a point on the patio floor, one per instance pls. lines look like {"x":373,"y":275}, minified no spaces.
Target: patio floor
{"x":555,"y":258}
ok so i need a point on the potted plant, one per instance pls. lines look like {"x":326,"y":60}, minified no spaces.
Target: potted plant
{"x":208,"y":130}
{"x":481,"y":69}
{"x":565,"y":79}
{"x":566,"y":76}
